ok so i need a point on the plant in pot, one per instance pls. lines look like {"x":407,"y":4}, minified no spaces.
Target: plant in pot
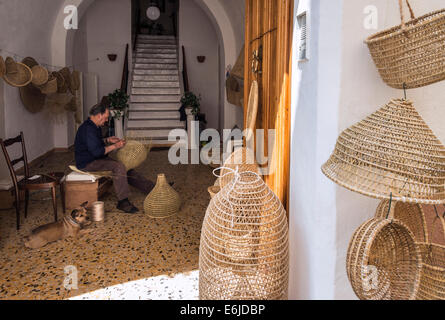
{"x":118,"y":109}
{"x":190,"y":100}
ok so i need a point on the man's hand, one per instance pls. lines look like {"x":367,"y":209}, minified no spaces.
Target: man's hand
{"x":120,"y":144}
{"x":113,"y":140}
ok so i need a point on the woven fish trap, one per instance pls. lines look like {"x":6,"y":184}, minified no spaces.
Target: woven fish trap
{"x":163,"y":201}
{"x":133,"y":154}
{"x":244,"y":251}
{"x":383,"y":261}
{"x":391,"y":151}
{"x":432,"y":274}
{"x":243,"y":160}
{"x":412,"y":53}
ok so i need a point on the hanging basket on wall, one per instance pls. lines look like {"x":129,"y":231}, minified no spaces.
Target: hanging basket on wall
{"x":383,"y":261}
{"x":391,"y":151}
{"x":412,"y":53}
{"x":244,"y":253}
{"x":432,"y":274}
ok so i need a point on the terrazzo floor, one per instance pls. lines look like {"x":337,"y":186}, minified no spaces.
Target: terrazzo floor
{"x":123,"y":249}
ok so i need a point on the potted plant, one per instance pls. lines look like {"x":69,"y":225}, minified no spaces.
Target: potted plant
{"x":118,"y":108}
{"x":190,"y":100}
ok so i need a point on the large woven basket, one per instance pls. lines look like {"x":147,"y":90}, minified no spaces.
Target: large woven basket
{"x":432,"y":276}
{"x":244,"y":251}
{"x":133,"y":154}
{"x":391,"y":151}
{"x":412,"y":53}
{"x":383,"y":261}
{"x":163,"y":201}
{"x":242,"y":159}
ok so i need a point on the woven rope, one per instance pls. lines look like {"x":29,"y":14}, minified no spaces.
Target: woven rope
{"x":432,"y":276}
{"x":163,"y":201}
{"x":383,"y":261}
{"x":133,"y":154}
{"x":412,"y":53}
{"x":244,"y":251}
{"x":391,"y":151}
{"x":242,"y":159}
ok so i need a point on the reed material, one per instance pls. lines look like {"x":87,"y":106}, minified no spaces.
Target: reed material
{"x":244,"y":253}
{"x":163,"y":201}
{"x":412,"y":53}
{"x":242,"y":159}
{"x":391,"y":151}
{"x":133,"y":154}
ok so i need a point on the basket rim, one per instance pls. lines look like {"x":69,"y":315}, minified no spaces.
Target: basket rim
{"x":397,"y":30}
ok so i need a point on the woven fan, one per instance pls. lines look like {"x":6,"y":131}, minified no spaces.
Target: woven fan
{"x":391,"y":151}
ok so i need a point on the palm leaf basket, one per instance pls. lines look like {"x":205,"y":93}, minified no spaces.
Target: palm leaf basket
{"x":413,"y":53}
{"x":392,"y":151}
{"x":432,"y":272}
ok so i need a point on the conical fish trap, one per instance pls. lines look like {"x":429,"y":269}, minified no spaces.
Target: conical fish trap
{"x":391,"y":151}
{"x":133,"y":154}
{"x":383,"y":261}
{"x":244,"y":251}
{"x":432,"y":274}
{"x":163,"y":201}
{"x":243,"y":160}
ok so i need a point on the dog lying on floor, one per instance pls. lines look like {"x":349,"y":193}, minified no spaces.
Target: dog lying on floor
{"x":72,"y":225}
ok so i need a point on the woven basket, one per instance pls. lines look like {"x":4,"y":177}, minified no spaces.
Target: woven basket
{"x":383,"y":261}
{"x":244,"y":253}
{"x":17,"y":74}
{"x":412,"y":53}
{"x":213,"y":191}
{"x":391,"y":151}
{"x":39,"y":75}
{"x":163,"y":201}
{"x":432,"y":278}
{"x":242,"y":159}
{"x":133,"y":154}
{"x":49,"y":87}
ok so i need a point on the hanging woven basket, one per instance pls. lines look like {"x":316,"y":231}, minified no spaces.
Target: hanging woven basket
{"x":242,"y":159}
{"x":391,"y":151}
{"x":133,"y":154}
{"x":163,"y":201}
{"x":412,"y":53}
{"x":383,"y":261}
{"x":432,"y":276}
{"x":244,"y":253}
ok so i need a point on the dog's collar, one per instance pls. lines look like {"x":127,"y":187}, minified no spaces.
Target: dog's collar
{"x":72,"y":221}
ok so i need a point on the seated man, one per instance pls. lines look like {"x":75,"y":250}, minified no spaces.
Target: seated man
{"x":91,"y":152}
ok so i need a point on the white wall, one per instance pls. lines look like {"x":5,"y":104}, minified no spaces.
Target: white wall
{"x":105,"y":28}
{"x":25,"y":29}
{"x":336,"y":88}
{"x":199,"y":38}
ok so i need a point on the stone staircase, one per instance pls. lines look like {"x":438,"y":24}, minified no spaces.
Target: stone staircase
{"x":155,"y":90}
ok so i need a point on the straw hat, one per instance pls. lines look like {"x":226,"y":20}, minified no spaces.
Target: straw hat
{"x":66,"y":74}
{"x":17,"y":74}
{"x":39,"y":75}
{"x":2,"y":67}
{"x":30,"y":62}
{"x":61,"y":87}
{"x":32,"y":98}
{"x":50,"y":86}
{"x":392,"y":151}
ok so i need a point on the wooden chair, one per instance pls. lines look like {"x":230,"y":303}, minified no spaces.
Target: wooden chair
{"x":43,"y":182}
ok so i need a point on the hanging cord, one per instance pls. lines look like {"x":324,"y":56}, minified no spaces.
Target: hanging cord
{"x":262,"y":35}
{"x":389,"y":207}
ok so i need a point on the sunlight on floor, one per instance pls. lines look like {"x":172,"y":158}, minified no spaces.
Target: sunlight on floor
{"x":183,"y":286}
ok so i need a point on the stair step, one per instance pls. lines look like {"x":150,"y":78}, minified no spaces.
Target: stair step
{"x":157,"y":78}
{"x":155,"y":98}
{"x":155,"y":66}
{"x":155,"y":91}
{"x":150,"y":124}
{"x":156,"y":56}
{"x":155,"y":46}
{"x":155,"y":51}
{"x":153,"y":115}
{"x":156,"y":41}
{"x":156,"y":37}
{"x":154,"y":84}
{"x":156,"y":61}
{"x":156,"y":106}
{"x":156,"y":72}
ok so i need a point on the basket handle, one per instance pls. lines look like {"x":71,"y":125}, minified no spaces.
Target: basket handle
{"x":402,"y":17}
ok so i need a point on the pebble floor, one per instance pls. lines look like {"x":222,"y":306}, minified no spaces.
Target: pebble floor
{"x":122,"y":249}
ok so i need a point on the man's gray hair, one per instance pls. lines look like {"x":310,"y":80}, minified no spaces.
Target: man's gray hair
{"x":99,"y":109}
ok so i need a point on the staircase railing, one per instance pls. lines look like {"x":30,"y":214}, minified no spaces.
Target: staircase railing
{"x":125,"y":72}
{"x":184,"y":71}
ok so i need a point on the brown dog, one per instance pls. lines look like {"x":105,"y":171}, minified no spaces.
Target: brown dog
{"x":72,"y":225}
